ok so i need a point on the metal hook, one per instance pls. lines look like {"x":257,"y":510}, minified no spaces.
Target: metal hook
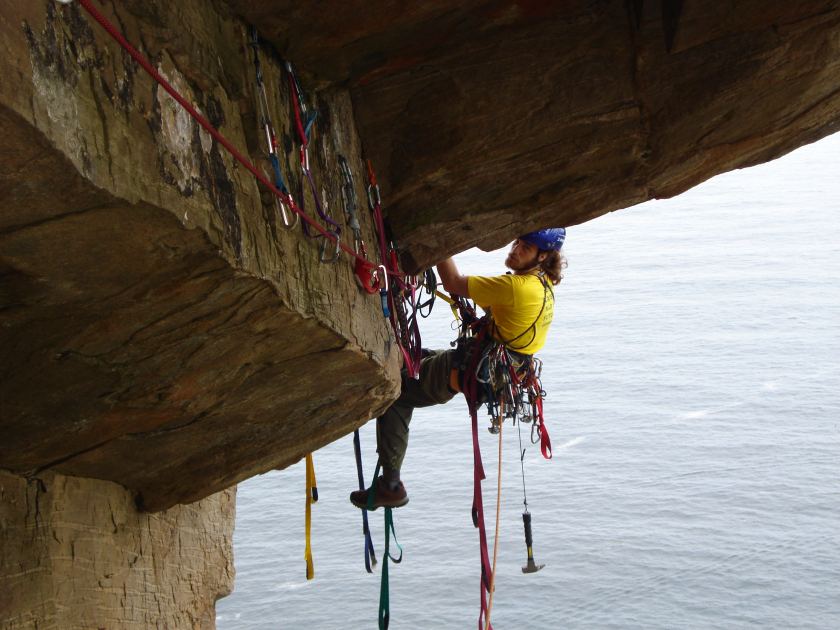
{"x":337,"y":251}
{"x":370,"y":190}
{"x":286,"y":224}
{"x":383,"y":290}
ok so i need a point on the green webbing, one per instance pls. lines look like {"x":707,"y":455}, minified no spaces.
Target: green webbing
{"x":384,"y":598}
{"x":372,"y":491}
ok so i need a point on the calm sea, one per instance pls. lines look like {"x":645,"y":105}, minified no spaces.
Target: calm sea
{"x":693,"y":379}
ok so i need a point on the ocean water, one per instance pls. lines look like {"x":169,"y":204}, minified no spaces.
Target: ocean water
{"x":693,"y":379}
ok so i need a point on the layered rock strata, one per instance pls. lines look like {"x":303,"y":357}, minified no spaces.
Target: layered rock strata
{"x":76,"y":553}
{"x":159,"y":327}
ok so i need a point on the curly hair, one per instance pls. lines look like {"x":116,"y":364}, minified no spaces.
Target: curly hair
{"x":553,"y":265}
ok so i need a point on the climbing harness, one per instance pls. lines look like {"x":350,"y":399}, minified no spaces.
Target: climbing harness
{"x":547,"y":290}
{"x":370,"y":554}
{"x":270,"y":136}
{"x":311,"y":497}
{"x":384,"y":588}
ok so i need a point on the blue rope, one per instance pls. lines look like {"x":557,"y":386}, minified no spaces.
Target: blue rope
{"x":278,"y":178}
{"x":307,"y":128}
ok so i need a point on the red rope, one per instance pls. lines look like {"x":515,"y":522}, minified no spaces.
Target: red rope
{"x":304,"y":141}
{"x":209,"y":128}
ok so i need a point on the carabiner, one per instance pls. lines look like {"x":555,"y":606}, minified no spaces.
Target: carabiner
{"x":371,"y":188}
{"x":269,"y":136}
{"x":383,"y":291}
{"x":359,"y":246}
{"x":286,"y":223}
{"x":337,"y":251}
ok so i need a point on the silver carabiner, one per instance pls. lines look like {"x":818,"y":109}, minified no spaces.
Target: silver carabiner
{"x":370,"y":190}
{"x":337,"y":251}
{"x":286,"y":224}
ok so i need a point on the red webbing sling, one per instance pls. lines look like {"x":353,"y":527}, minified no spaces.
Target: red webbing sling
{"x":470,"y":388}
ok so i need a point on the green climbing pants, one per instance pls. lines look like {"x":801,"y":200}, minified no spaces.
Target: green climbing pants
{"x":432,"y":388}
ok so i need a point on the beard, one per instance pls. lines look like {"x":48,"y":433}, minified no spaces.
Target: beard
{"x":520,"y":265}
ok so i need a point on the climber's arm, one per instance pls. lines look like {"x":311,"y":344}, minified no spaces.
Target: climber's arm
{"x":452,"y":281}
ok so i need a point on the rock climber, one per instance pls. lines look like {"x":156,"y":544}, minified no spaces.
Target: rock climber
{"x":521,"y":304}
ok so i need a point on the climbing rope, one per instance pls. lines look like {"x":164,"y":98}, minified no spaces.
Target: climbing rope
{"x":496,"y":535}
{"x":113,"y":32}
{"x":311,"y":497}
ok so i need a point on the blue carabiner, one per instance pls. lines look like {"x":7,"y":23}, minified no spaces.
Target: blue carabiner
{"x":383,"y":291}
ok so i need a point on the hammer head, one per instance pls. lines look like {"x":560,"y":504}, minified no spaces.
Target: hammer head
{"x":532,"y":567}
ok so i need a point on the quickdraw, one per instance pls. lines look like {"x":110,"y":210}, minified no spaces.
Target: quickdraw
{"x":388,"y":270}
{"x":401,"y":294}
{"x":143,"y":63}
{"x":350,"y":203}
{"x":270,"y":136}
{"x":303,"y":133}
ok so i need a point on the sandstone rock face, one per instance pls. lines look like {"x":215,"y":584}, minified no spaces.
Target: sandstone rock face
{"x":159,"y":327}
{"x":75,"y":553}
{"x":490,"y":118}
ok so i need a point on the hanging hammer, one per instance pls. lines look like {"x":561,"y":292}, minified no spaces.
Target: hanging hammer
{"x":531,"y":567}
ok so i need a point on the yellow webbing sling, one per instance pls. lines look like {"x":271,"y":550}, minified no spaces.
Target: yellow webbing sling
{"x":311,"y":497}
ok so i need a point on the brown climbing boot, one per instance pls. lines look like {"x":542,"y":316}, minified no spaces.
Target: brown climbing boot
{"x":382,"y":498}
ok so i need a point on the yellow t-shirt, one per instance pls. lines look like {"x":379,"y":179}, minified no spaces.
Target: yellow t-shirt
{"x":516,"y":302}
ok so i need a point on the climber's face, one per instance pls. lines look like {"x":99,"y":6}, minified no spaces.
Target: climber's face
{"x":523,"y":256}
